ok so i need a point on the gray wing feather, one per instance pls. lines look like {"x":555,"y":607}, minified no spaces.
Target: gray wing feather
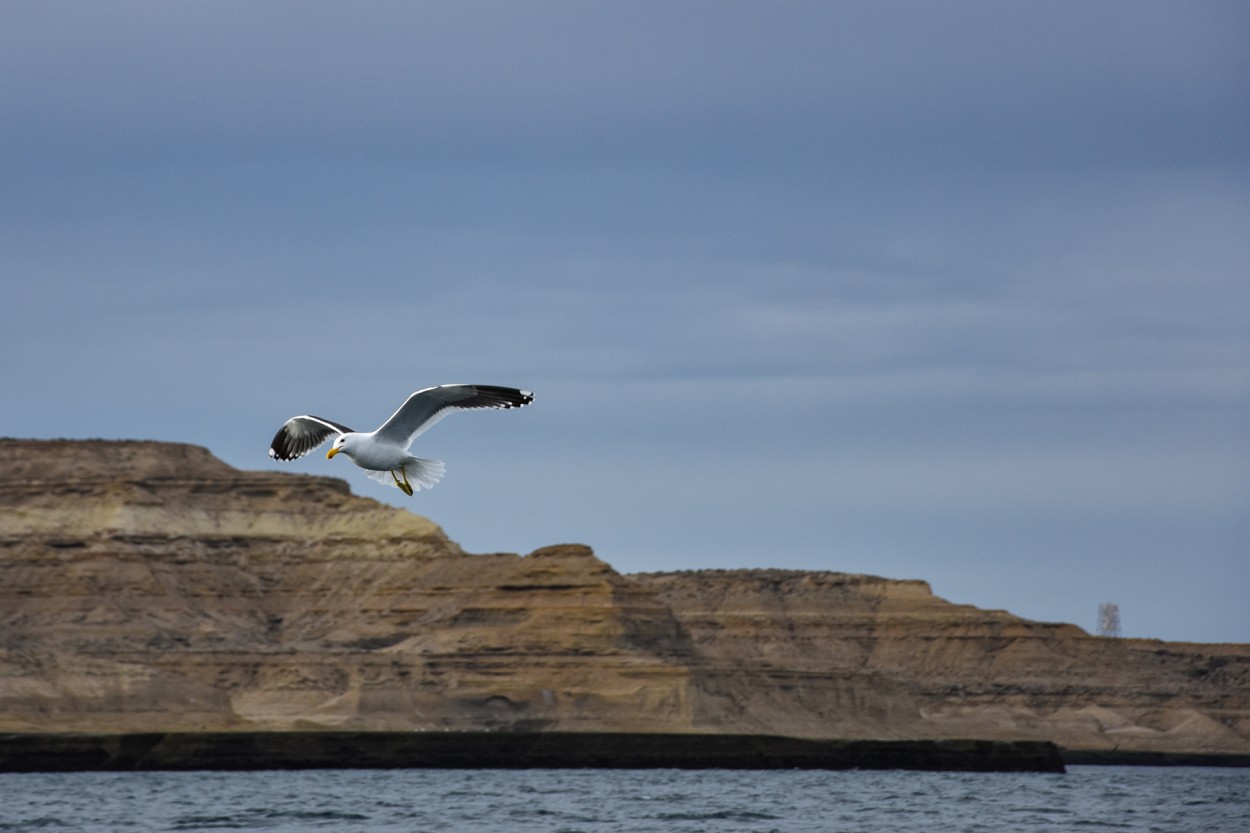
{"x":426,"y":407}
{"x":300,"y":435}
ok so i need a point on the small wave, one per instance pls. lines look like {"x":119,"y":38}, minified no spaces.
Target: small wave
{"x":261,"y":818}
{"x":717,"y":815}
{"x":196,"y":821}
{"x":1110,"y":825}
{"x":1046,"y":811}
{"x":316,"y":815}
{"x":530,"y":789}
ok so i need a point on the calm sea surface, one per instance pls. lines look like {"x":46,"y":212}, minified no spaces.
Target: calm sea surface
{"x":1175,"y":800}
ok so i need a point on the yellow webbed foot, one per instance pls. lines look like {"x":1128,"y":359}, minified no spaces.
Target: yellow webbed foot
{"x":403,"y":486}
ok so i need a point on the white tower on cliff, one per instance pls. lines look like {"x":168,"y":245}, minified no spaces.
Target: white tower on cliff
{"x":1108,"y":619}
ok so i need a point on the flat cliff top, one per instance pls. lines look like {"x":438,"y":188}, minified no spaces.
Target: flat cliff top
{"x":29,"y":461}
{"x":95,"y":489}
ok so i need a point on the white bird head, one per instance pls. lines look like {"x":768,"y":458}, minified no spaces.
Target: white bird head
{"x":343,"y":442}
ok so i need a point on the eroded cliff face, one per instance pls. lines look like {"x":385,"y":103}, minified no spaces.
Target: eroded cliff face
{"x":858,"y":656}
{"x":148,"y":586}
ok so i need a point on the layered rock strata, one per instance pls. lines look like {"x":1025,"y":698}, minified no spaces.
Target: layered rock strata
{"x":859,"y":656}
{"x":150,"y":587}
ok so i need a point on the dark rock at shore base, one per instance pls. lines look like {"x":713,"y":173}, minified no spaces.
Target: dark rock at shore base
{"x":40,"y":752}
{"x":1120,"y":757}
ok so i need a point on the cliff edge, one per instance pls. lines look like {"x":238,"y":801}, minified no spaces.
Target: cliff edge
{"x":149,"y":587}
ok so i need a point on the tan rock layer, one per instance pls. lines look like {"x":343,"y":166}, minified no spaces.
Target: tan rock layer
{"x":811,"y":653}
{"x":148,"y":586}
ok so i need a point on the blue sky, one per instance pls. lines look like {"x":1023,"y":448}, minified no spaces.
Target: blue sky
{"x":953,"y":291}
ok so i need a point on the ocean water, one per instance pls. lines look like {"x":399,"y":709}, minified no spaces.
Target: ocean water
{"x":1169,"y":800}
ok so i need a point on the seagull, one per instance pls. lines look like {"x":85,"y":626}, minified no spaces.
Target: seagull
{"x":383,"y":453}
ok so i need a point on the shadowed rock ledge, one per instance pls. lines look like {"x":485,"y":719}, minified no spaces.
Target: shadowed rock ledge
{"x":508,"y":750}
{"x":150,"y":588}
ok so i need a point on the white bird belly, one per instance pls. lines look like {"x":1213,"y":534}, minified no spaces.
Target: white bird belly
{"x":380,"y":456}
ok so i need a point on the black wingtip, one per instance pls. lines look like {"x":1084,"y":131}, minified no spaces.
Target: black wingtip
{"x":506,"y":397}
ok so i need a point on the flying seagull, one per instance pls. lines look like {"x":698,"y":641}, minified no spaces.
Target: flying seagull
{"x":383,"y":453}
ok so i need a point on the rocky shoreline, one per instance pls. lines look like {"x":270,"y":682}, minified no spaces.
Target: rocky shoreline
{"x":1116,"y":757}
{"x":53,"y":752}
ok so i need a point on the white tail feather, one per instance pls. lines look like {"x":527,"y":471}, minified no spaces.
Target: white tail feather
{"x":422,"y":473}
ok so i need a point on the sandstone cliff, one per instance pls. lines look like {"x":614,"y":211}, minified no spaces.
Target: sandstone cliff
{"x":860,"y":656}
{"x":148,"y":586}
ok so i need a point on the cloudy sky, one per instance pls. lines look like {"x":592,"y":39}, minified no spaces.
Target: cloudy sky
{"x":954,"y":291}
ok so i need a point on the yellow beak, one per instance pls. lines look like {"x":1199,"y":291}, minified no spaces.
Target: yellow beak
{"x":332,"y":452}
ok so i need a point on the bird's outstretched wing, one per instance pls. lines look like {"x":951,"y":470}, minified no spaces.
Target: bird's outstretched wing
{"x":426,"y":407}
{"x":300,"y":435}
